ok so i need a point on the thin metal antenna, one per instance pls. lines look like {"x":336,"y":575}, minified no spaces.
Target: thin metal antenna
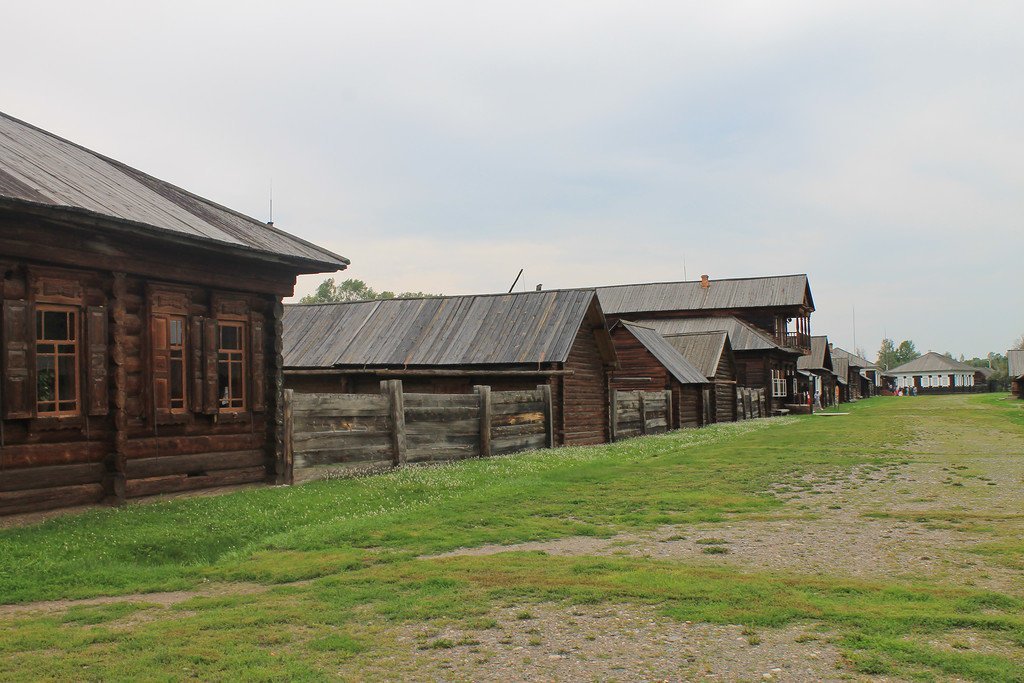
{"x":685,"y":276}
{"x":271,"y":221}
{"x":514,"y":282}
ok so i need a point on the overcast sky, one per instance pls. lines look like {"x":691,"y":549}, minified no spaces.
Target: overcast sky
{"x":441,"y":146}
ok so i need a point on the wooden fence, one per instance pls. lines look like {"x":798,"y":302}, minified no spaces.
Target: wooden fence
{"x":636,"y":413}
{"x":394,"y":428}
{"x":750,"y":403}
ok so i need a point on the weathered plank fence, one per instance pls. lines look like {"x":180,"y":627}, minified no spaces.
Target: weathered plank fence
{"x":750,"y":403}
{"x":393,"y":428}
{"x":637,"y":413}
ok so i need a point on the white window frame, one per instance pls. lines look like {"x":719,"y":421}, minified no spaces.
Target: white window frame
{"x":779,"y":388}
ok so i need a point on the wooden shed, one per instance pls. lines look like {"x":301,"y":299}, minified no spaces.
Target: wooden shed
{"x":816,"y":372}
{"x":1015,"y":368}
{"x":141,"y":329}
{"x":648,"y":362}
{"x":711,"y":353}
{"x":451,"y":344}
{"x":760,"y":362}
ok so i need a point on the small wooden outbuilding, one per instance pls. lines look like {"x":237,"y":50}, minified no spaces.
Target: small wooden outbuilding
{"x":711,"y":353}
{"x":141,"y":330}
{"x":760,"y":362}
{"x":1015,"y":365}
{"x":648,"y":362}
{"x":451,"y":344}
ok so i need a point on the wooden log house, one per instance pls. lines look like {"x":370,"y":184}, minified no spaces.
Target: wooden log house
{"x":450,"y":344}
{"x":711,"y":353}
{"x":760,"y":362}
{"x":816,"y":372}
{"x":1015,"y":369}
{"x":861,"y":377}
{"x":141,"y":330}
{"x":778,"y":308}
{"x":647,"y":362}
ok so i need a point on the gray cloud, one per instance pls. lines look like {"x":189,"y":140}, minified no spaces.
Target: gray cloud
{"x":442,"y":146}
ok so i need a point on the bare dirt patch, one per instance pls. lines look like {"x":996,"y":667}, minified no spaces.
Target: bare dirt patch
{"x":163,"y":599}
{"x":918,"y":519}
{"x":557,"y":643}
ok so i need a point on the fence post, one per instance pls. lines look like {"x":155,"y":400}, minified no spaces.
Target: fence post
{"x":549,"y":414}
{"x":614,"y":414}
{"x":642,"y":407}
{"x":392,"y":388}
{"x":668,"y":410}
{"x":288,"y":475}
{"x":484,"y":394}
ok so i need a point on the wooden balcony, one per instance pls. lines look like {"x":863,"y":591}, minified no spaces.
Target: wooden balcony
{"x":798,"y":341}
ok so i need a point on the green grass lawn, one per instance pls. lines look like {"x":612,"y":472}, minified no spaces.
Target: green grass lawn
{"x":344,"y":559}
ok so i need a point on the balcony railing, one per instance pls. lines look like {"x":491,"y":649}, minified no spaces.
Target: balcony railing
{"x":798,"y":340}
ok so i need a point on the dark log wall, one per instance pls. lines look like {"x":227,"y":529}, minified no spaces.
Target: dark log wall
{"x":123,"y":445}
{"x":725,"y":389}
{"x":584,"y":394}
{"x":687,"y":404}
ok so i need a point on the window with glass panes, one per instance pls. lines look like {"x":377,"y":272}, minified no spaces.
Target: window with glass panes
{"x":57,"y":390}
{"x":231,"y":365}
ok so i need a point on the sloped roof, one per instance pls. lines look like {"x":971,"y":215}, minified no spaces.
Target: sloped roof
{"x":1015,"y":358}
{"x":703,"y":349}
{"x":854,"y":360}
{"x":680,"y":367}
{"x":841,"y":368}
{"x":742,"y":336}
{"x":39,"y":169}
{"x":755,"y":292}
{"x":933,"y":362}
{"x":820,"y":358}
{"x":526,"y":327}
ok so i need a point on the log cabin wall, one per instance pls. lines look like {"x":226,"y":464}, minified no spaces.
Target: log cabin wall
{"x":583,"y":395}
{"x":123,"y":438}
{"x":725,"y":389}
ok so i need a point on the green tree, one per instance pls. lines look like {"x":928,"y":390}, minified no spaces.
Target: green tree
{"x":886,"y":354}
{"x":890,"y":355}
{"x":329,"y":291}
{"x":906,"y":352}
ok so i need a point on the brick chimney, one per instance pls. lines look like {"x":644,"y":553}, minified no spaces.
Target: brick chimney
{"x":704,"y":282}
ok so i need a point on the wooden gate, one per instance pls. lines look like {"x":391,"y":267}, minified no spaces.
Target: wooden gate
{"x":637,"y":413}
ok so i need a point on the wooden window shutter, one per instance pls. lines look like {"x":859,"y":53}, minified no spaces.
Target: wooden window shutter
{"x":97,"y":372}
{"x":18,"y":387}
{"x":210,"y":384}
{"x":197,"y":369}
{"x":161,"y":362}
{"x":258,"y":393}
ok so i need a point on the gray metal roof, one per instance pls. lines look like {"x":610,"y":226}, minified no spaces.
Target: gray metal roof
{"x":38,"y":168}
{"x":932,"y":362}
{"x":841,"y":368}
{"x":819,"y":358}
{"x":1015,"y":359}
{"x":742,"y":336}
{"x":494,"y":329}
{"x":680,"y":367}
{"x":703,"y":349}
{"x":853,"y":359}
{"x":757,"y":292}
